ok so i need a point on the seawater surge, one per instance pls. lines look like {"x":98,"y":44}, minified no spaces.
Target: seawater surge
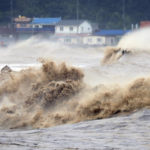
{"x":102,"y":93}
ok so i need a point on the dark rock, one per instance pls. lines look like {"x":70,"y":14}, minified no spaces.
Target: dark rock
{"x":6,"y":69}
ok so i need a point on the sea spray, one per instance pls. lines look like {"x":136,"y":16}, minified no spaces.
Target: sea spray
{"x":32,"y":88}
{"x":136,"y":41}
{"x":56,"y":94}
{"x":133,"y":42}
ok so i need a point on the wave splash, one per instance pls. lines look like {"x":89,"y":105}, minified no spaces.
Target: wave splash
{"x":133,"y":42}
{"x":56,"y":94}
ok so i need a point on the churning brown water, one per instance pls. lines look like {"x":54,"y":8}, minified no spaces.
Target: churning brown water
{"x":72,"y":85}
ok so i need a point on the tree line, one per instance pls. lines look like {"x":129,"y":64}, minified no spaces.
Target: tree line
{"x":107,"y":13}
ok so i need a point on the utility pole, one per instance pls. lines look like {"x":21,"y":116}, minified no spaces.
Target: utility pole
{"x":11,"y":16}
{"x":123,"y":14}
{"x":77,"y":9}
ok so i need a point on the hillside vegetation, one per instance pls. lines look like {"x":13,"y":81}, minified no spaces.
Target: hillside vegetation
{"x":107,"y":13}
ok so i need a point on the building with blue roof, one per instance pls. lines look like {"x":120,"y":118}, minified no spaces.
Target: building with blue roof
{"x":46,"y":21}
{"x":111,"y":37}
{"x":114,"y":32}
{"x":44,"y":24}
{"x":31,"y":26}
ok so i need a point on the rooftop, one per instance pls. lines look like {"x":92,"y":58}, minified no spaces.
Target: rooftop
{"x":47,"y":21}
{"x":22,"y":19}
{"x":111,"y":32}
{"x":70,"y":22}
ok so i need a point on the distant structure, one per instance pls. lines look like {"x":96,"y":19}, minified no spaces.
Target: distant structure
{"x":111,"y":37}
{"x":22,"y":23}
{"x":74,"y":32}
{"x":26,"y":27}
{"x":75,"y":27}
{"x":22,"y":27}
{"x":45,"y":24}
{"x":144,"y":24}
{"x":102,"y":37}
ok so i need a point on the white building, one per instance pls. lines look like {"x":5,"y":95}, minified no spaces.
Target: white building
{"x":72,"y":27}
{"x":93,"y":40}
{"x":90,"y":40}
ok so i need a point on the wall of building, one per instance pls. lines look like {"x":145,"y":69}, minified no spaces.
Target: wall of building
{"x":21,"y":25}
{"x":85,"y":27}
{"x":66,"y":29}
{"x":82,"y":40}
{"x":91,"y":40}
{"x":37,"y":25}
{"x":94,"y":40}
{"x":112,"y":40}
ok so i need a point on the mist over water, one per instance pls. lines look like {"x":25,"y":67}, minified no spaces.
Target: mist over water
{"x":138,"y":40}
{"x":62,"y":84}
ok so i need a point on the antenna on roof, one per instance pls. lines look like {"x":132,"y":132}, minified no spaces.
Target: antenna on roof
{"x":77,"y":9}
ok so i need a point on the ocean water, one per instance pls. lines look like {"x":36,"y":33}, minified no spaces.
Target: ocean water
{"x":124,"y":132}
{"x":109,"y":107}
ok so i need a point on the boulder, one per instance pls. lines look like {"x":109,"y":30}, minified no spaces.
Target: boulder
{"x":6,"y":69}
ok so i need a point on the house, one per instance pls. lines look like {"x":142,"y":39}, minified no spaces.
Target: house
{"x":26,"y":27}
{"x":36,"y":25}
{"x":44,"y":24}
{"x":111,"y":37}
{"x":85,"y":40}
{"x":21,"y":23}
{"x":75,"y":31}
{"x":74,"y":27}
{"x":101,"y":38}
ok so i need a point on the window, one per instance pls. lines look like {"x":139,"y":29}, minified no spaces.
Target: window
{"x":68,"y":40}
{"x":36,"y":26}
{"x":71,"y":28}
{"x":99,"y":40}
{"x":61,"y":28}
{"x":23,"y":25}
{"x":47,"y":26}
{"x":89,"y":40}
